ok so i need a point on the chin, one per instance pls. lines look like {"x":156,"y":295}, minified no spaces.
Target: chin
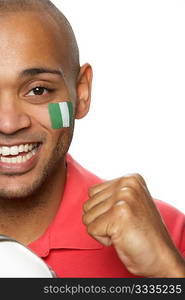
{"x":20,"y":189}
{"x":16,"y":193}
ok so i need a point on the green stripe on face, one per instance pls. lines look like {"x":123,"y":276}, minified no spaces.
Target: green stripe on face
{"x":55,"y":115}
{"x":61,"y":114}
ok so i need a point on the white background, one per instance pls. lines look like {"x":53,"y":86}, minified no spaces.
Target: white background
{"x":136,"y":122}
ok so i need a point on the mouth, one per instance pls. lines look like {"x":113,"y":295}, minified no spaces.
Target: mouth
{"x":19,"y":158}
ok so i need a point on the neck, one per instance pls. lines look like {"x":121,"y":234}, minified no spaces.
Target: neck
{"x":26,"y":219}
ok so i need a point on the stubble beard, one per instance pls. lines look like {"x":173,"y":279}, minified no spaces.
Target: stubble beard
{"x":43,"y":181}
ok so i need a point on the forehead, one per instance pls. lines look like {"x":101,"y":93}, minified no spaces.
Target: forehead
{"x":31,"y":38}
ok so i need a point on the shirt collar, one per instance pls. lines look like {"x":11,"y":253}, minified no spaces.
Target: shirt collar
{"x":67,"y":230}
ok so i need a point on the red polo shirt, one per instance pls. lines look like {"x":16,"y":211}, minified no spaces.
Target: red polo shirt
{"x":71,"y":252}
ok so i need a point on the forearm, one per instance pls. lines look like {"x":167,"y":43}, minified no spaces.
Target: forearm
{"x":179,"y":268}
{"x":174,"y":266}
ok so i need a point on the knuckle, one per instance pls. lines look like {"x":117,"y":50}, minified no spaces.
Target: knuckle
{"x":129,"y":179}
{"x":132,"y":180}
{"x":126,"y":193}
{"x":91,"y":191}
{"x":139,"y":177}
{"x":84,"y":219}
{"x":87,"y":205}
{"x":122,"y":180}
{"x":87,"y":218}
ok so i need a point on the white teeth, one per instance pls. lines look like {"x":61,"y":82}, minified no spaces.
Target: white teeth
{"x":4,"y":159}
{"x":5,"y":151}
{"x":30,"y":147}
{"x":15,"y":150}
{"x":21,"y":148}
{"x":24,"y":159}
{"x":18,"y":159}
{"x":29,"y":155}
{"x":26,"y":148}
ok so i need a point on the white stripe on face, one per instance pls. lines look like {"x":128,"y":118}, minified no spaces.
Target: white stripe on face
{"x":65,"y":114}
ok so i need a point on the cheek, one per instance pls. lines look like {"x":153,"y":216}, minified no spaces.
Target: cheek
{"x":54,"y":115}
{"x":56,"y":138}
{"x":41,"y":115}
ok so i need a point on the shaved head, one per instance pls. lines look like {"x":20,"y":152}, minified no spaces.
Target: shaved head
{"x":25,"y":4}
{"x":47,"y":8}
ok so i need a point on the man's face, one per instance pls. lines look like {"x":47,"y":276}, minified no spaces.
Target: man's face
{"x":31,"y":50}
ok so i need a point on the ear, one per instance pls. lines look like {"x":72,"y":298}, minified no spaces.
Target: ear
{"x":84,"y":86}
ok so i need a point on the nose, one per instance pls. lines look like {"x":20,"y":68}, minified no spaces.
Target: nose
{"x":12,"y":116}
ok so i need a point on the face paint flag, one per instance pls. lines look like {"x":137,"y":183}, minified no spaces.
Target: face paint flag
{"x":60,"y":114}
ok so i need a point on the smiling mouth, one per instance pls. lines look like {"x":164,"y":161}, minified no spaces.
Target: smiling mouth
{"x":18,"y":154}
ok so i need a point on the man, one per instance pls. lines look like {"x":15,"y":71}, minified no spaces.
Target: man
{"x":80,"y":225}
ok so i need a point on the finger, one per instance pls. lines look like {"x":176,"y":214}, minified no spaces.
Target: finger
{"x":125,"y":194}
{"x":129,"y":181}
{"x":110,"y":223}
{"x":135,"y":180}
{"x":99,"y":197}
{"x":103,"y":191}
{"x":100,"y":187}
{"x":97,"y":210}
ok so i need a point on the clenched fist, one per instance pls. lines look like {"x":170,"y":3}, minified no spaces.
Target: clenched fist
{"x":122,"y":213}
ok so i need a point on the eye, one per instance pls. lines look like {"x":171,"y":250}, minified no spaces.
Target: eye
{"x":39,"y":91}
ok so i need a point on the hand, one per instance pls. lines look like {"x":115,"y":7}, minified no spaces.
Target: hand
{"x":122,"y":213}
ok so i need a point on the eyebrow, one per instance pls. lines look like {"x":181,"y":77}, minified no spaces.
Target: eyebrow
{"x":37,"y":71}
